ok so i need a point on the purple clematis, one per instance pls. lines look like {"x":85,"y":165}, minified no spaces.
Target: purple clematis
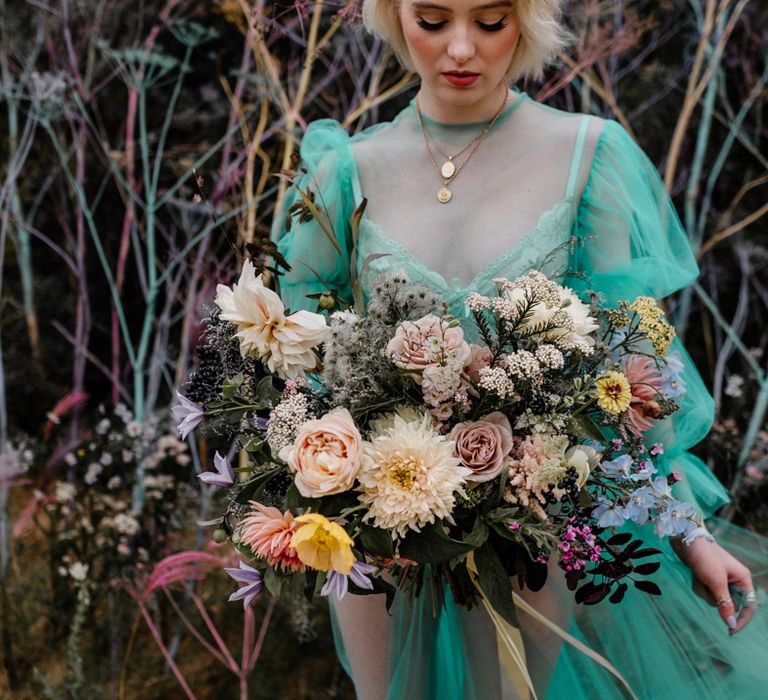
{"x":223,"y":477}
{"x":252,"y":578}
{"x":188,"y":415}
{"x":338,"y":583}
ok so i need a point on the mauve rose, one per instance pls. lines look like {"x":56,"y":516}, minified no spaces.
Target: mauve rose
{"x":409,"y":349}
{"x":326,"y":455}
{"x":483,"y":446}
{"x":479,"y":359}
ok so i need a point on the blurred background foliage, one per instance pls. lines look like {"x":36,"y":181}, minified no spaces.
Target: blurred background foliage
{"x":140,"y":150}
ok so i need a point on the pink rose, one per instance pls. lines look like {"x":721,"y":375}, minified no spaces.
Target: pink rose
{"x":426,"y":342}
{"x":479,"y":359}
{"x":326,"y":455}
{"x":483,"y":446}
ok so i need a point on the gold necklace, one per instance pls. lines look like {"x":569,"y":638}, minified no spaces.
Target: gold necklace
{"x":449,"y":170}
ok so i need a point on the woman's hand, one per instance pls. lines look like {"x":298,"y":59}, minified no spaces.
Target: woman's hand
{"x":714,"y":569}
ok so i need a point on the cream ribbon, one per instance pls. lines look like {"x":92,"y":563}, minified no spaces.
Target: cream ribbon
{"x":512,"y":651}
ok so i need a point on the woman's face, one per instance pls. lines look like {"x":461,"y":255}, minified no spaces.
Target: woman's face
{"x":462,"y":50}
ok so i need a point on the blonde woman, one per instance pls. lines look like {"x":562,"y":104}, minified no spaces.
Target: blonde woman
{"x":475,"y":180}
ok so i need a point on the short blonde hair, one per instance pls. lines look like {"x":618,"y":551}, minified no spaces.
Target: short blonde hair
{"x":541,"y":33}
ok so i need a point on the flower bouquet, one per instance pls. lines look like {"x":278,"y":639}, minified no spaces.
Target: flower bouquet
{"x":397,"y":448}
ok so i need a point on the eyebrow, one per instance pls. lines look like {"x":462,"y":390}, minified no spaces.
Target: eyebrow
{"x":485,"y":6}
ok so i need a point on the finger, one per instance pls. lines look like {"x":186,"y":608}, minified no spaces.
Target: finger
{"x":725,"y":606}
{"x":743,"y":619}
{"x":741,"y":583}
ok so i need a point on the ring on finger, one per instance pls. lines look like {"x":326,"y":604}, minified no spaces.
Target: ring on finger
{"x":724,"y":601}
{"x":750,"y":599}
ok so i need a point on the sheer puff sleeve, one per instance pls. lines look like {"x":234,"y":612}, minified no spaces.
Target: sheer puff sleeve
{"x":631,"y":243}
{"x":327,"y":169}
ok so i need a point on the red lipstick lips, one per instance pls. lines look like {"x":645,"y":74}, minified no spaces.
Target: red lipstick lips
{"x":461,"y":78}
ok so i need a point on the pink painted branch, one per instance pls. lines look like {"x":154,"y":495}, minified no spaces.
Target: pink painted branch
{"x":168,"y":658}
{"x":235,"y":108}
{"x":214,"y":632}
{"x":262,"y":634}
{"x":249,"y":626}
{"x":199,"y":637}
{"x":125,"y":236}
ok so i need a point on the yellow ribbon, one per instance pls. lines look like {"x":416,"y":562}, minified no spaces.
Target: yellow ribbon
{"x":510,"y":641}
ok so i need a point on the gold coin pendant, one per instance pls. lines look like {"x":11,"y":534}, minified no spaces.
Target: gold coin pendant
{"x":444,"y":195}
{"x":448,"y":169}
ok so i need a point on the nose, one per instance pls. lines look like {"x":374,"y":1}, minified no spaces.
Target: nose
{"x":461,"y":47}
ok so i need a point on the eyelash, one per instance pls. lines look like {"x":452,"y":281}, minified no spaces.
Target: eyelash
{"x":435,"y":26}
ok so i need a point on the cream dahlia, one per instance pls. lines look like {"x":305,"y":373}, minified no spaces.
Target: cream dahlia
{"x":409,"y":476}
{"x":285,"y":342}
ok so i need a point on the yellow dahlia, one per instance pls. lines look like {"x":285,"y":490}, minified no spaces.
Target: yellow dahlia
{"x":322,"y":544}
{"x":613,"y":392}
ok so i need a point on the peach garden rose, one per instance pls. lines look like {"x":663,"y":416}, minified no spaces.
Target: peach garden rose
{"x":326,"y":454}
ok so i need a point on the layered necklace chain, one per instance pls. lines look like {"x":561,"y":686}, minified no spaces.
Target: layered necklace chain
{"x":449,"y":170}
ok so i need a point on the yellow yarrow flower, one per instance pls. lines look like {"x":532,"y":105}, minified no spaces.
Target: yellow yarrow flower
{"x":613,"y":392}
{"x":322,"y":544}
{"x":653,"y":324}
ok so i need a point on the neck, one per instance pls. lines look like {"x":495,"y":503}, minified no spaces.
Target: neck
{"x":437,"y":109}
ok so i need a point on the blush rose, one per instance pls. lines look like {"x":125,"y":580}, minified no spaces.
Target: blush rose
{"x":418,"y":344}
{"x":483,"y":446}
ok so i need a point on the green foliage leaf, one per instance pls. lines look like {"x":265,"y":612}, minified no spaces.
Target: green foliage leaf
{"x":293,"y":499}
{"x":494,"y":581}
{"x":266,"y":393}
{"x":253,"y":488}
{"x":583,"y":426}
{"x":479,"y":533}
{"x":273,"y":582}
{"x":432,"y":545}
{"x":377,"y":541}
{"x":231,"y":386}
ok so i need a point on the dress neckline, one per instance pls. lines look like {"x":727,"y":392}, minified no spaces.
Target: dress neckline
{"x":491,"y":269}
{"x":517,"y":100}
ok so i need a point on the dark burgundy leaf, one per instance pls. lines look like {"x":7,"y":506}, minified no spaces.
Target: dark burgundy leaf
{"x":649,"y":552}
{"x":586,"y":590}
{"x":600,"y":592}
{"x":618,"y":595}
{"x":647,"y":568}
{"x":620,"y":539}
{"x":648,"y":587}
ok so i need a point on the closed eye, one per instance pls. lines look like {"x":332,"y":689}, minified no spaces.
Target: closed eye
{"x":495,"y":27}
{"x":435,"y":26}
{"x":431,"y":26}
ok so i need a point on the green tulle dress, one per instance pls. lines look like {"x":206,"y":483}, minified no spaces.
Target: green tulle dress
{"x":545,"y":180}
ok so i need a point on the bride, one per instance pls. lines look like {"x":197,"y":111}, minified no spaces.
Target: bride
{"x":474,"y":180}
